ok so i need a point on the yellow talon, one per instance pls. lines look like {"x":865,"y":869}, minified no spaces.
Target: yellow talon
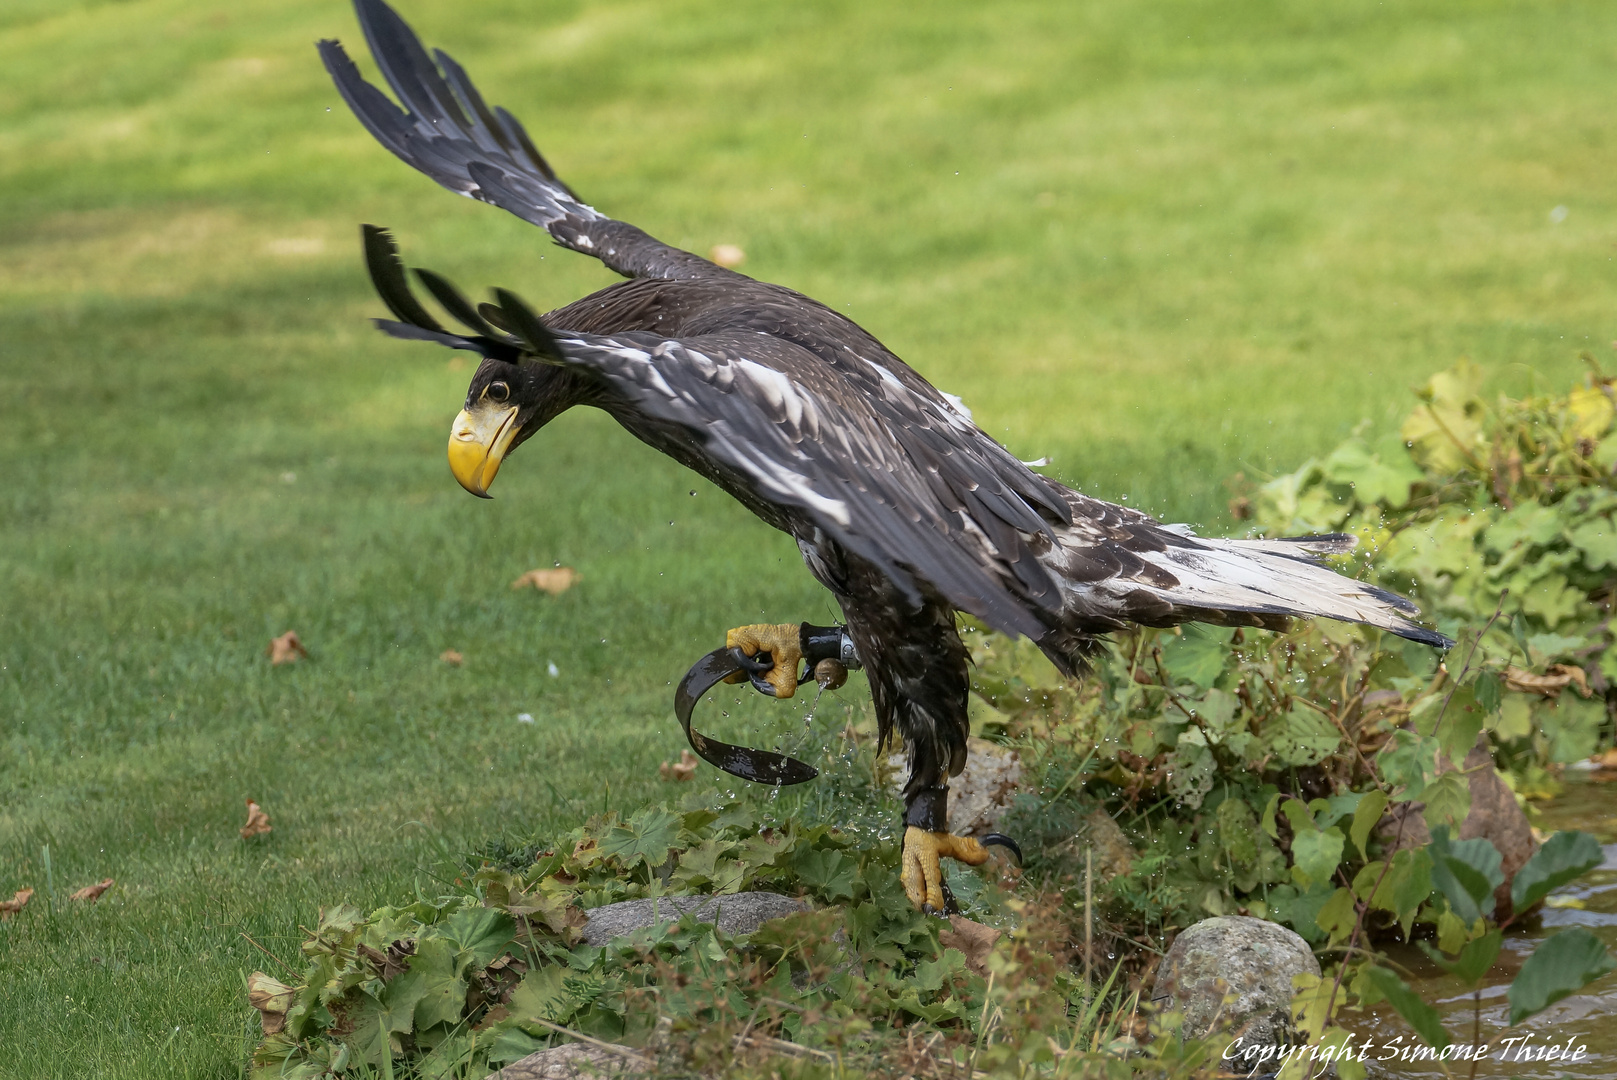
{"x":922,"y":872}
{"x":783,"y":643}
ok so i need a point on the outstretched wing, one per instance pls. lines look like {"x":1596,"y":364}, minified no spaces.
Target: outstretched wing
{"x":447,"y":131}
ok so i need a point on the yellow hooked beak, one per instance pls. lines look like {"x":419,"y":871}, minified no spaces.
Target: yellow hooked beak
{"x":477,"y":445}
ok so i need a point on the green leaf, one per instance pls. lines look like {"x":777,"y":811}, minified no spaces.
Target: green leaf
{"x":830,"y":873}
{"x":1305,"y":737}
{"x":482,"y":933}
{"x":1421,"y":1016}
{"x":646,"y":837}
{"x":1338,"y":915}
{"x":1573,"y":726}
{"x":1467,"y":872}
{"x":1268,"y":821}
{"x":542,"y":994}
{"x":1384,"y":476}
{"x":1552,"y":600}
{"x":1515,"y":720}
{"x":440,"y":994}
{"x":1299,"y":816}
{"x":1410,"y":880}
{"x":1461,"y":723}
{"x":1448,"y":800}
{"x":1408,"y":762}
{"x":1562,"y":965}
{"x":1597,"y":540}
{"x":1315,"y":855}
{"x":1475,"y":959}
{"x":1365,"y":818}
{"x":1564,"y":856}
{"x":1197,"y":653}
{"x":1488,"y":691}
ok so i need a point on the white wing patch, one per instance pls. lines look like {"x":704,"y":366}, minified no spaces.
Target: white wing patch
{"x":956,"y":404}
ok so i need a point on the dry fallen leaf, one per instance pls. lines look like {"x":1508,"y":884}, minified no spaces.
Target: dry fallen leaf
{"x":257,"y":821}
{"x":8,"y":908}
{"x":553,"y":581}
{"x":973,"y":939}
{"x":727,"y":255}
{"x":452,"y":658}
{"x":272,"y":998}
{"x":286,"y":649}
{"x":1606,"y":760}
{"x":683,"y":769}
{"x":92,"y":892}
{"x":1555,"y":679}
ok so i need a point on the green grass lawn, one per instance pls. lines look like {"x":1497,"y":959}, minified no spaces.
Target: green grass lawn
{"x":1159,"y":241}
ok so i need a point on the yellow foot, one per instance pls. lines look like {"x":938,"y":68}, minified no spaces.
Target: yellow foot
{"x":922,"y":872}
{"x":784,"y":644}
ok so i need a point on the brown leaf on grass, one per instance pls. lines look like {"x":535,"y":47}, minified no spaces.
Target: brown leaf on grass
{"x":286,"y":649}
{"x":257,"y":821}
{"x":92,"y":892}
{"x":272,"y":998}
{"x":554,"y":581}
{"x":8,"y":908}
{"x":728,"y":256}
{"x":973,"y":939}
{"x":683,"y":769}
{"x":1606,"y":759}
{"x":1556,"y":677}
{"x":452,"y":658}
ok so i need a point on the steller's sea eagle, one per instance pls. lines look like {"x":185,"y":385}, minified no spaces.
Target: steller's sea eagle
{"x":901,"y":505}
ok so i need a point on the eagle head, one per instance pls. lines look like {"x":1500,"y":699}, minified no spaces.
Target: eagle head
{"x":505,"y":403}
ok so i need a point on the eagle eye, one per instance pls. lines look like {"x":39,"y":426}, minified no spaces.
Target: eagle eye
{"x":499,"y":391}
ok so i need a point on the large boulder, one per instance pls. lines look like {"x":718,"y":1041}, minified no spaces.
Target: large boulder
{"x":738,"y":913}
{"x":1234,"y":973}
{"x":1494,"y":814}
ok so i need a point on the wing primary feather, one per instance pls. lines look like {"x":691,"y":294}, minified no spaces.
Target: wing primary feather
{"x":515,"y":130}
{"x":392,"y":285}
{"x":455,"y":302}
{"x":481,"y":345}
{"x":406,"y":65}
{"x":494,"y":315}
{"x":528,"y":326}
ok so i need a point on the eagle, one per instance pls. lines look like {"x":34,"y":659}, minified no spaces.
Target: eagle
{"x":901,"y":505}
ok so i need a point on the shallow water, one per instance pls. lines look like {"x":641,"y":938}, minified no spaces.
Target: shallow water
{"x":1588,"y":1019}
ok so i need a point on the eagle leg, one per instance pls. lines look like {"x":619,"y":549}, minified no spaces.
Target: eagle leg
{"x":922,"y":872}
{"x":784,"y":644}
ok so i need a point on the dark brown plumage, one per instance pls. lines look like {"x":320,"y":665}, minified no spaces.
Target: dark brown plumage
{"x":901,"y":506}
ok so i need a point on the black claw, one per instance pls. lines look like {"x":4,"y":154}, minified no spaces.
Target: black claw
{"x":1001,"y":840}
{"x":928,"y":909}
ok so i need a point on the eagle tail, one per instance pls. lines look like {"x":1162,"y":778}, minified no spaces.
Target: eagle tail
{"x":1265,"y":583}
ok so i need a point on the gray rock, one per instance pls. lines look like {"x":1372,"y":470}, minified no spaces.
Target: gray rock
{"x":1234,"y":973}
{"x":738,"y":913}
{"x":577,"y":1061}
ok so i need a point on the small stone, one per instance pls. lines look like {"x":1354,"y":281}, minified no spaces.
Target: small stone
{"x":735,"y":914}
{"x":1234,"y":973}
{"x":577,"y":1061}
